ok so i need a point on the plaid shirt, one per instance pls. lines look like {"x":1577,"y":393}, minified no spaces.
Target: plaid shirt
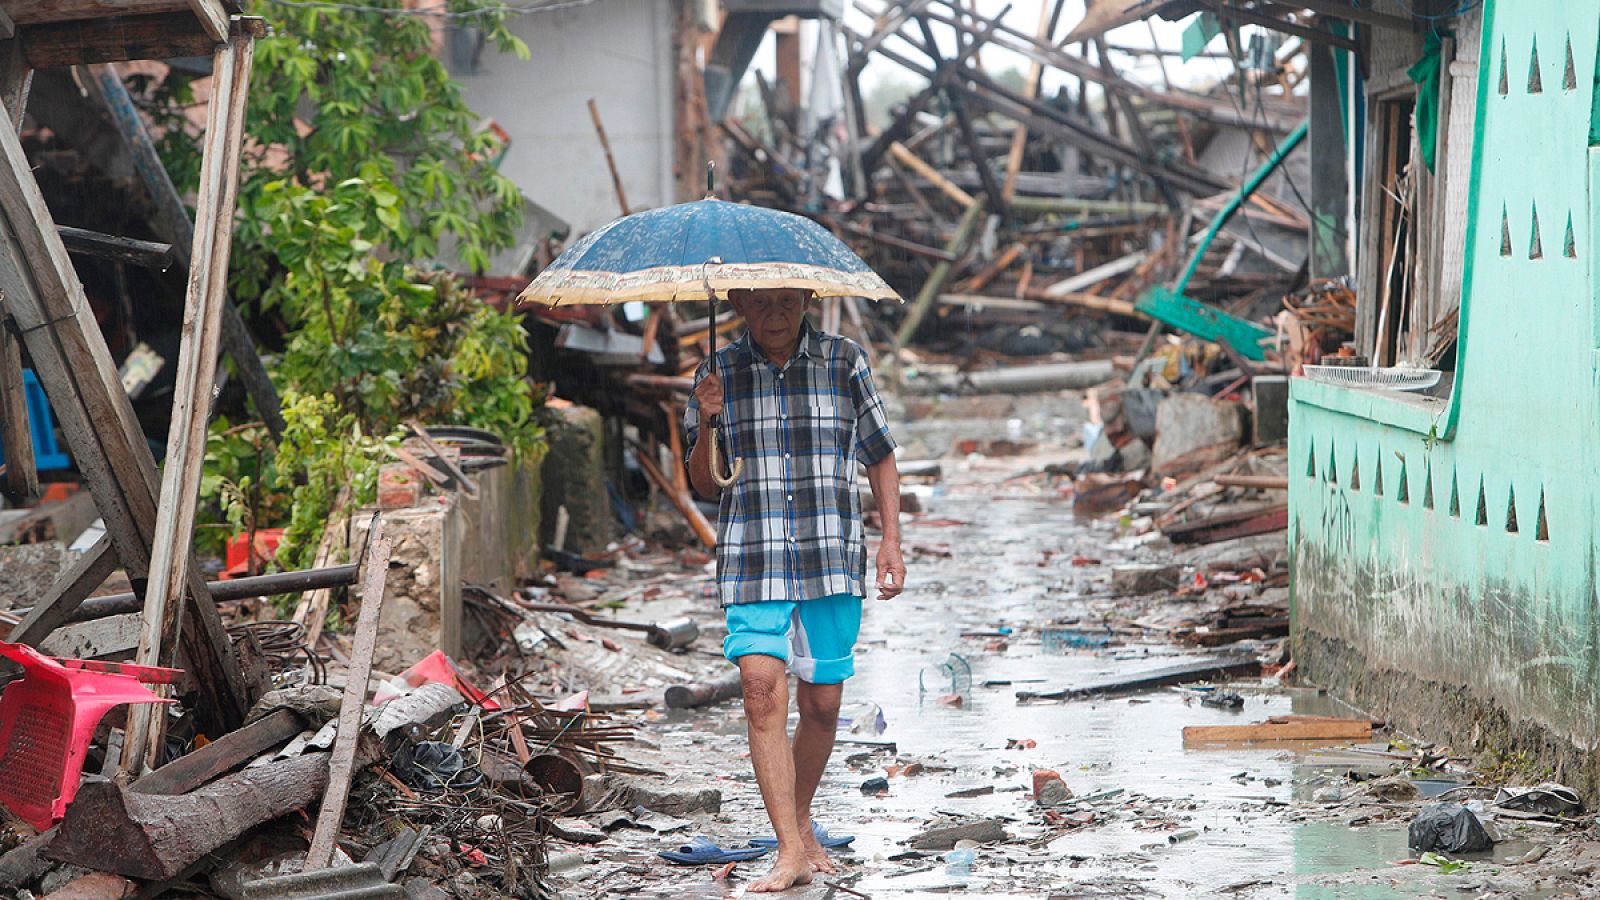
{"x":790,"y":528}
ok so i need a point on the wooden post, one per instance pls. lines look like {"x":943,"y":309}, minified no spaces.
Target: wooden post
{"x":46,"y":300}
{"x":680,"y":474}
{"x":22,"y":477}
{"x":197,"y":364}
{"x":342,"y":766}
{"x":941,"y":273}
{"x":611,"y":163}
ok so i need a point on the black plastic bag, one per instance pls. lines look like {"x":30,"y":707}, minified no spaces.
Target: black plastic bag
{"x":1450,"y":828}
{"x":433,"y":766}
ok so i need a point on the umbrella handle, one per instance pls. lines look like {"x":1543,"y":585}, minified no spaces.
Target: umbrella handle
{"x":716,"y":463}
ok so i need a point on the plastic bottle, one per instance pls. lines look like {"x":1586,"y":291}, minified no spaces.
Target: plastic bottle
{"x":959,"y":861}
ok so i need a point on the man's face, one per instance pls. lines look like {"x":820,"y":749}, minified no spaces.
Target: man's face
{"x":773,"y":317}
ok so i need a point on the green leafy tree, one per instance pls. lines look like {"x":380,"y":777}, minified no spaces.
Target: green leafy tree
{"x":362,"y":164}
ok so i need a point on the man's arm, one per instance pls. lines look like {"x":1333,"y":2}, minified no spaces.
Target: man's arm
{"x":884,"y":476}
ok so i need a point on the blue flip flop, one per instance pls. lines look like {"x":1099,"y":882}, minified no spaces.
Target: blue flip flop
{"x":828,"y":842}
{"x":700,"y":850}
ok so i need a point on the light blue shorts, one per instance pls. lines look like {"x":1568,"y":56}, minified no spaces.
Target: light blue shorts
{"x":816,"y":638}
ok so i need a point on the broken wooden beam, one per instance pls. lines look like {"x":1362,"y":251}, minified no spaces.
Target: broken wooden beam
{"x":1261,"y":482}
{"x":957,"y":247}
{"x":918,"y":165}
{"x":108,"y":39}
{"x":680,"y":499}
{"x":218,"y":758}
{"x":146,"y":254}
{"x":22,"y":475}
{"x":341,"y":767}
{"x":1282,"y":728}
{"x":1229,"y":525}
{"x":1187,"y":673}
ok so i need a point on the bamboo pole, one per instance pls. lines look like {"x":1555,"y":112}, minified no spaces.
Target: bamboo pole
{"x":916,"y":164}
{"x":611,"y":162}
{"x":941,"y":273}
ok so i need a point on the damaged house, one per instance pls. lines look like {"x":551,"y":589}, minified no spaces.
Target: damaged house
{"x":1444,"y":568}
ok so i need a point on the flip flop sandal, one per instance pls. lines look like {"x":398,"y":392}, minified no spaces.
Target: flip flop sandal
{"x":700,"y":851}
{"x":828,"y":842}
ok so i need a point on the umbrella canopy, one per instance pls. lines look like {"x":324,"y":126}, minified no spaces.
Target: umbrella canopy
{"x":683,"y":252}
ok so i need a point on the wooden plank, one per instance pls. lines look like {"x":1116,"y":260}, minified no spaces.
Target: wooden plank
{"x":1291,"y":730}
{"x":680,"y":499}
{"x":31,"y":12}
{"x":16,"y":77}
{"x":956,"y":247}
{"x":341,"y":768}
{"x":1228,"y":526}
{"x":115,"y":39}
{"x":221,"y":756}
{"x":213,"y":18}
{"x":197,"y":365}
{"x":88,"y":572}
{"x":8,"y":28}
{"x":1088,"y":278}
{"x":110,"y":636}
{"x":22,"y":475}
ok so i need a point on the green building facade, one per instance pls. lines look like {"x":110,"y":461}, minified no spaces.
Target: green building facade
{"x":1443,"y":547}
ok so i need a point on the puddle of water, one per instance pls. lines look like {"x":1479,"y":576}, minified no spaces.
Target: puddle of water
{"x":1233,"y":796}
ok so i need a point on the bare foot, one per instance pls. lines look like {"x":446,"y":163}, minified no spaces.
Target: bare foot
{"x":817,"y":856}
{"x":786,"y":873}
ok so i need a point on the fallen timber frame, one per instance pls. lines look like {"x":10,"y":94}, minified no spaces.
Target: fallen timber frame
{"x":41,"y":294}
{"x":191,"y":402}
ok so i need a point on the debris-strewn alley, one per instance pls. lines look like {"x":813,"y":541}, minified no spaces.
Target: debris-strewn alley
{"x":435,"y":434}
{"x":1012,"y":592}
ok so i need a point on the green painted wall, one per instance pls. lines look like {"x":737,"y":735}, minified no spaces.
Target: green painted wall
{"x":1411,"y":581}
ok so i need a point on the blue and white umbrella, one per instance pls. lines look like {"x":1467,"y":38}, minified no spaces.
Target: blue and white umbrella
{"x":700,"y":251}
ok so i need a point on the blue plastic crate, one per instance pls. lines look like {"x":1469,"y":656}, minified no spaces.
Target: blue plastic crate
{"x":47,"y":454}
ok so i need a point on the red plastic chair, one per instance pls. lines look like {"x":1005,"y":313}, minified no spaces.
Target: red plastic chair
{"x":47,"y":720}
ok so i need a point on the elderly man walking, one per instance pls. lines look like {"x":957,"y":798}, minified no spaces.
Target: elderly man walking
{"x":791,"y":553}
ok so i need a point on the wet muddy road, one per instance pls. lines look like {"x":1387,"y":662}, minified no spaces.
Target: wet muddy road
{"x":999,"y":566}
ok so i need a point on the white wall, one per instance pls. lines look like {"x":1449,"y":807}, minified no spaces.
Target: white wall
{"x":620,"y":53}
